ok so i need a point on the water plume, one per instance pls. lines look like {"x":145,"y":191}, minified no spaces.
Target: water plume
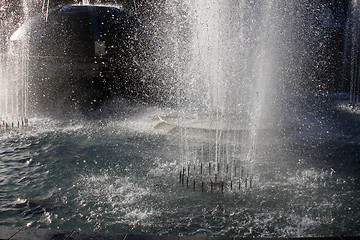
{"x":229,"y":62}
{"x":14,"y":79}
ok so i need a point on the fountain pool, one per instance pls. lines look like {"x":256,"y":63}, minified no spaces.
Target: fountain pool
{"x":121,"y":176}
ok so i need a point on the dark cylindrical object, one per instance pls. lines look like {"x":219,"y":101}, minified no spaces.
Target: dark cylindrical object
{"x":88,"y":54}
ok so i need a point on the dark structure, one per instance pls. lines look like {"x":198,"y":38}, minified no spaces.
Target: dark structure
{"x":324,"y":46}
{"x":81,"y":56}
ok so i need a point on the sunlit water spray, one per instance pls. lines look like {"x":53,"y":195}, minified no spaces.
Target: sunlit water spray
{"x":15,"y":71}
{"x":350,"y":74}
{"x":14,"y":74}
{"x":228,"y":60}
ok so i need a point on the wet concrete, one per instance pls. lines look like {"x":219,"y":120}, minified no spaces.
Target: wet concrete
{"x":14,"y":233}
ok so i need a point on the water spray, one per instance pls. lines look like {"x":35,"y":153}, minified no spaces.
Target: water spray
{"x":47,"y":9}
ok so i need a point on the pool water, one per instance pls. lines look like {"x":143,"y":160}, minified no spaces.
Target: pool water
{"x":119,"y":175}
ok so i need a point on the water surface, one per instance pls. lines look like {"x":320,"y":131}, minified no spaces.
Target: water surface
{"x":118,"y":174}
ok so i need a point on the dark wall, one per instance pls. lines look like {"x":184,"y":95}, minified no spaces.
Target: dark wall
{"x":324,"y":45}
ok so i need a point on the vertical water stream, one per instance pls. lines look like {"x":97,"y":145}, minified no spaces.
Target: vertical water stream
{"x":230,"y":59}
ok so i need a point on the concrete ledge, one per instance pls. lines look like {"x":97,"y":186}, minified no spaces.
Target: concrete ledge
{"x":14,"y":233}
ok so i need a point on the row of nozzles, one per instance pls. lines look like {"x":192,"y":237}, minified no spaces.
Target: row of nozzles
{"x":213,"y":180}
{"x":24,"y":122}
{"x":219,"y":186}
{"x":223,"y":170}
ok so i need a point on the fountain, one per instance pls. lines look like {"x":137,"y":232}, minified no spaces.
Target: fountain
{"x":14,"y":80}
{"x":232,"y":61}
{"x":251,"y":143}
{"x":238,"y":66}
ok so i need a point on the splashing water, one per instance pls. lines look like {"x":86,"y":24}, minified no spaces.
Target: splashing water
{"x":230,"y":64}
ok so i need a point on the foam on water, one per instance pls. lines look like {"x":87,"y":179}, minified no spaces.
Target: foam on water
{"x":118,"y":198}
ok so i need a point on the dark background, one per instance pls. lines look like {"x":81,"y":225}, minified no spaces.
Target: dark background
{"x":324,"y":67}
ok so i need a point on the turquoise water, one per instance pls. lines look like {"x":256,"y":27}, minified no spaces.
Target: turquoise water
{"x":118,"y":174}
